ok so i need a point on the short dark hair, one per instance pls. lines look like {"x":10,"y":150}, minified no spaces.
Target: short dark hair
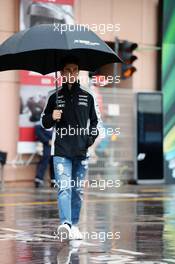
{"x":69,"y":60}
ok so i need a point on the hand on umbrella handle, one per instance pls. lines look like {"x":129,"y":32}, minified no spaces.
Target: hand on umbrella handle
{"x":56,"y":115}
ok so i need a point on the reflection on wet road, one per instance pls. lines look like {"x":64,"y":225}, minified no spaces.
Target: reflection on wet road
{"x":131,"y":224}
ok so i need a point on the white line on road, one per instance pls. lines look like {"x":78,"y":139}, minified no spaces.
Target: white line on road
{"x":129,"y":252}
{"x":11,"y":230}
{"x":170,"y":260}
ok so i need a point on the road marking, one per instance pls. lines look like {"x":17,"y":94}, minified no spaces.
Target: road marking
{"x":148,"y":262}
{"x":129,"y":252}
{"x":28,"y":203}
{"x":141,"y":199}
{"x":11,"y":194}
{"x":11,"y":230}
{"x":112,"y":195}
{"x":154,"y":190}
{"x":84,"y":243}
{"x":44,"y":236}
{"x":170,"y":260}
{"x":26,"y":236}
{"x":113,"y":258}
{"x":7,"y":237}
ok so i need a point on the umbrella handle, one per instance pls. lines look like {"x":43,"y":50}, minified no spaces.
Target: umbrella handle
{"x":56,"y":83}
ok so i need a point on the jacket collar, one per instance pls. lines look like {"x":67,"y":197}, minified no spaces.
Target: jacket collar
{"x":75,"y":87}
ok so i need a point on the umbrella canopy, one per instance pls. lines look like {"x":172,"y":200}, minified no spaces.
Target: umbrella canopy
{"x":41,"y":49}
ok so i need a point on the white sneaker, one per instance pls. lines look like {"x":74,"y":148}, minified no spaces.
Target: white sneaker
{"x":75,"y":233}
{"x":64,"y":232}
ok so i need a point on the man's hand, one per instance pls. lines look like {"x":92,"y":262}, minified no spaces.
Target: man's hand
{"x":56,"y":115}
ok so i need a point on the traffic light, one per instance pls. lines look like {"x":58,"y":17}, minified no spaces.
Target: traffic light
{"x":126,"y":49}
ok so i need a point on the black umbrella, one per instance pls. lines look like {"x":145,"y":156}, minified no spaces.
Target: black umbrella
{"x":41,"y":49}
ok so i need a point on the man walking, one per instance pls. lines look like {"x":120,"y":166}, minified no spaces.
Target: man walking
{"x":73,"y":115}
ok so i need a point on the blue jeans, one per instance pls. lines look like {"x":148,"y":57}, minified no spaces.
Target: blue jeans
{"x":70,"y":175}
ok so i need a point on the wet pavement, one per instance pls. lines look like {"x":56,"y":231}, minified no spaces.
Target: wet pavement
{"x":130,"y":224}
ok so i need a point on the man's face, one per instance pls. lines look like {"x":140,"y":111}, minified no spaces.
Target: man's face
{"x":70,"y":73}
